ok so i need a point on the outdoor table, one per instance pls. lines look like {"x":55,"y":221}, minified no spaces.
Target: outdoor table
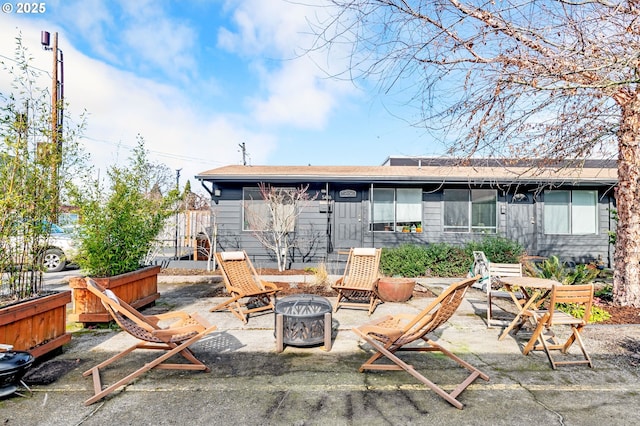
{"x":534,"y":292}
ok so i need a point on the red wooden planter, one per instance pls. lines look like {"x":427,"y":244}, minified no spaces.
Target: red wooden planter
{"x":36,"y":325}
{"x":395,"y":289}
{"x":138,"y":289}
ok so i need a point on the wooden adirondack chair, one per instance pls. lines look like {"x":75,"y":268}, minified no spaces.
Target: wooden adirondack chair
{"x":173,"y":339}
{"x":248,"y":292}
{"x":393,"y":334}
{"x":357,"y":287}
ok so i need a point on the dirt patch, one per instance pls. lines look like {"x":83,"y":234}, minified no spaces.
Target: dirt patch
{"x":49,"y":371}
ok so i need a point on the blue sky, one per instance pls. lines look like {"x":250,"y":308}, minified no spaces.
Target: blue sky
{"x":198,"y":78}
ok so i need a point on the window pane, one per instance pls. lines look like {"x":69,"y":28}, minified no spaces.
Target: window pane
{"x":256,"y":214}
{"x":409,"y":205}
{"x":556,"y":212}
{"x":382,"y":213}
{"x":456,"y":210}
{"x":584,"y":212}
{"x":483,"y":210}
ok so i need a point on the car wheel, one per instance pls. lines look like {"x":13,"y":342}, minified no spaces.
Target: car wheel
{"x":53,"y":260}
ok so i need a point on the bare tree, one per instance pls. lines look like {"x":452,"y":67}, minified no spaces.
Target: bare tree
{"x":273,"y":218}
{"x":556,"y":81}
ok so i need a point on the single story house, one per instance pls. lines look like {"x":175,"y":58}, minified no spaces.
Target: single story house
{"x":563,"y":211}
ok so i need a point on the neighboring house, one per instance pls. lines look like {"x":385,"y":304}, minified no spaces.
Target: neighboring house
{"x":555,"y":211}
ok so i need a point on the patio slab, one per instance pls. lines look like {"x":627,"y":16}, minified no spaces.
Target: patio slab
{"x":250,"y":383}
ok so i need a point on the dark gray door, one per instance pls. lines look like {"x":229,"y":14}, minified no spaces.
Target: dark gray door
{"x":521,"y":223}
{"x":348,"y":224}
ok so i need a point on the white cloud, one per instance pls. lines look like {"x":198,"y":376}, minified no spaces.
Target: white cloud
{"x":298,"y":92}
{"x":121,"y":105}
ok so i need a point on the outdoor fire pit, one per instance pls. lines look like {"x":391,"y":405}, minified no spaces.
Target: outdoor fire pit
{"x":303,"y":320}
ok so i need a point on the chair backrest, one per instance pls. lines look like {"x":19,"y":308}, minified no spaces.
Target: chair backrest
{"x":125,"y":315}
{"x":362,"y":269}
{"x":579,"y":294}
{"x":505,"y":269}
{"x":238,"y":271}
{"x":439,"y":311}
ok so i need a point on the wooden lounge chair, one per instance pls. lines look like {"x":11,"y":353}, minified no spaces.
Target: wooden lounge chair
{"x":248,"y":292}
{"x":173,"y":339}
{"x":579,"y":294}
{"x":393,"y":333}
{"x":358,"y":286}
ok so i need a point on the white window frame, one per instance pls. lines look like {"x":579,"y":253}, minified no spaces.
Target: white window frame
{"x":259,"y":203}
{"x":465,"y":222}
{"x":578,"y":217}
{"x":399,"y":213}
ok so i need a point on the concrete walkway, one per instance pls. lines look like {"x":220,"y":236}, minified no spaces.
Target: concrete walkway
{"x":250,"y":383}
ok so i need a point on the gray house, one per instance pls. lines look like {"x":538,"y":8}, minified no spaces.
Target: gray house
{"x":553,"y":211}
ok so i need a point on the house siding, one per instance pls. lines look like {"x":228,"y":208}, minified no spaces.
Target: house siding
{"x":330,"y":234}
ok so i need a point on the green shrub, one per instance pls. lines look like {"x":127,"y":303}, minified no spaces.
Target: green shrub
{"x":552,"y":268}
{"x":438,"y":260}
{"x":597,"y":313}
{"x":497,"y":249}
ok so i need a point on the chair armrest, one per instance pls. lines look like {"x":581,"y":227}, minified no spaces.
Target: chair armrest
{"x":270,"y":285}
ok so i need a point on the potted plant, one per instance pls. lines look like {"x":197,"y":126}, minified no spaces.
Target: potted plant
{"x":118,"y":227}
{"x":35,"y":162}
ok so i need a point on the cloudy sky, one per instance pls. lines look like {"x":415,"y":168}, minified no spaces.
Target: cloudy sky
{"x":198,"y":78}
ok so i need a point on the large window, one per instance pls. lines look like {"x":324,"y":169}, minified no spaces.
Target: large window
{"x":570,"y":212}
{"x":260,"y":215}
{"x":470,"y":210}
{"x":396,"y":209}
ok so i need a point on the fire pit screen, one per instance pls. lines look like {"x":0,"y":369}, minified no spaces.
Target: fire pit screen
{"x":303,"y":320}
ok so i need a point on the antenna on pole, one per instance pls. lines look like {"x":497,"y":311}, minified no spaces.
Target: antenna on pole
{"x":243,"y":149}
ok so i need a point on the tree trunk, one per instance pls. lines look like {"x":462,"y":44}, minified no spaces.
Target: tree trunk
{"x":626,"y":276}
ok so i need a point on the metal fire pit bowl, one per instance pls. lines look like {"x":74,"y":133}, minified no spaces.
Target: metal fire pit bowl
{"x":303,"y":320}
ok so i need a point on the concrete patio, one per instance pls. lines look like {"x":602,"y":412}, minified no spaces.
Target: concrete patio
{"x":250,"y":383}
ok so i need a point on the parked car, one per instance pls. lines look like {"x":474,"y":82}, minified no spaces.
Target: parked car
{"x":56,"y":252}
{"x":60,"y":250}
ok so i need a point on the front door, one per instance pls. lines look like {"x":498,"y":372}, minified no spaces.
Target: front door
{"x":521,"y":221}
{"x":348,"y":224}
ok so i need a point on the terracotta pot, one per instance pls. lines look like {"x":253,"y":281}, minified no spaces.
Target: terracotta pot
{"x":395,"y":289}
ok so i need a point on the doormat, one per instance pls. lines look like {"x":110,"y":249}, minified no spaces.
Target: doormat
{"x":49,"y":371}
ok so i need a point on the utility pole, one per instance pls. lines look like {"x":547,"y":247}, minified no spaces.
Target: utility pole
{"x":243,"y":148}
{"x":177,"y":213}
{"x":57,"y":115}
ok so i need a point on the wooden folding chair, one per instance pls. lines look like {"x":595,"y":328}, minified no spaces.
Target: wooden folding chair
{"x":248,"y":292}
{"x":357,"y":288}
{"x":174,"y":339}
{"x":393,"y":333}
{"x":580,"y":295}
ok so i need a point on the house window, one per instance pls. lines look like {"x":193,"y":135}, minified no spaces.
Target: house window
{"x":396,"y":209}
{"x":570,"y":212}
{"x":470,"y":210}
{"x":259,"y":215}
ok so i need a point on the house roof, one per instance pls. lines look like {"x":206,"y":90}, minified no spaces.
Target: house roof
{"x":416,"y":174}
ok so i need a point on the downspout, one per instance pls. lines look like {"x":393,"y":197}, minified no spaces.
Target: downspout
{"x":366,"y":227}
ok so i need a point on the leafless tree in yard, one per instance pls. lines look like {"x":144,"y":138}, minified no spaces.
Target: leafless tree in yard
{"x":556,"y":81}
{"x":273,"y":218}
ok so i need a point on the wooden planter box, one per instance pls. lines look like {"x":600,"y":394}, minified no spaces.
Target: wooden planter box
{"x":138,"y":289}
{"x":37,"y":325}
